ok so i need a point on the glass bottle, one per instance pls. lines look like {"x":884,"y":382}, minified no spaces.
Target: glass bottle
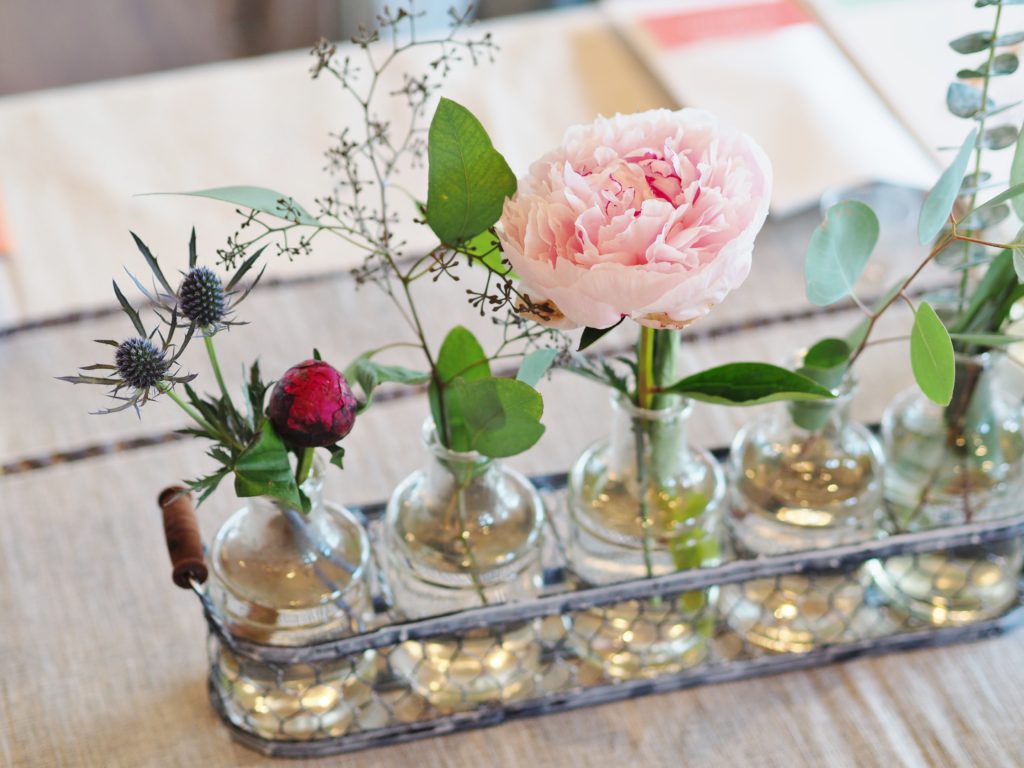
{"x":462,"y":532}
{"x":803,"y":476}
{"x":280,"y":577}
{"x":644,"y":502}
{"x":947,"y":466}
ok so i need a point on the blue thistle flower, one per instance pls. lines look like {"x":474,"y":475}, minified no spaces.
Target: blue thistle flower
{"x":201,"y":297}
{"x":140,"y":364}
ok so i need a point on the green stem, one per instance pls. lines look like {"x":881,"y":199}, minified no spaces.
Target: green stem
{"x":643,"y":483}
{"x":305,"y":465}
{"x":645,"y":368}
{"x":192,"y":412}
{"x":474,"y":566}
{"x":215,"y":364}
{"x":644,"y":399}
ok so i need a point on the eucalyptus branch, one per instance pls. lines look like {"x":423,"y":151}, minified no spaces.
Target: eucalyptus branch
{"x":944,"y":241}
{"x":978,"y":149}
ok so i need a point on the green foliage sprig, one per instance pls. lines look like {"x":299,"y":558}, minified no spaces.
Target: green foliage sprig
{"x":243,"y":441}
{"x":468,"y":181}
{"x":954,"y":222}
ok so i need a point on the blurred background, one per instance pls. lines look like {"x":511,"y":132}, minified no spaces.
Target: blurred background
{"x":78,"y":42}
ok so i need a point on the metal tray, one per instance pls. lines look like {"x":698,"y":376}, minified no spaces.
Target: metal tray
{"x":382,"y":708}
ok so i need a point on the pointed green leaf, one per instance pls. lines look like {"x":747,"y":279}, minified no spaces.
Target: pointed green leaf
{"x":263,"y":469}
{"x":130,"y":311}
{"x":827,"y":353}
{"x":1017,"y":174}
{"x":370,"y":375}
{"x":152,"y":262}
{"x":939,"y":203}
{"x":244,"y":268}
{"x":997,"y":110}
{"x":986,"y":339}
{"x":1010,"y":194}
{"x":931,"y":355}
{"x":839,"y":250}
{"x":825,"y":363}
{"x":87,"y":380}
{"x":748,"y":384}
{"x":460,"y":357}
{"x":337,"y":456}
{"x":257,"y":199}
{"x":193,"y":255}
{"x":535,"y":365}
{"x":468,"y":179}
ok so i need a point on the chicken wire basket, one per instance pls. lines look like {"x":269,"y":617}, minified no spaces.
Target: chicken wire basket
{"x":571,"y":648}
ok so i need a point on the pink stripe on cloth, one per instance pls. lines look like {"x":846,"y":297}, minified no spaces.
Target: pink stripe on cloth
{"x":734,"y":20}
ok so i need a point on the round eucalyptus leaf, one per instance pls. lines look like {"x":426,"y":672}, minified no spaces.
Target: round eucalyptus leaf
{"x":999,"y":137}
{"x":972,"y":43}
{"x":839,"y":250}
{"x":965,"y":100}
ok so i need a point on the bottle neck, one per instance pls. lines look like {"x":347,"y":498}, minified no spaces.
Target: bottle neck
{"x":454,"y":476}
{"x":823,"y":418}
{"x":313,"y":489}
{"x":971,"y":406}
{"x":650,"y":442}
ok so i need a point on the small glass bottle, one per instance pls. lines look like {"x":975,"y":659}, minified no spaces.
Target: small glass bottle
{"x":644,"y":502}
{"x":462,"y":532}
{"x":280,"y":577}
{"x":803,"y":476}
{"x":947,"y":466}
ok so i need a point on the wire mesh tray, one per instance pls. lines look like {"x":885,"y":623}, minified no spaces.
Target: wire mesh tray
{"x":575,"y":648}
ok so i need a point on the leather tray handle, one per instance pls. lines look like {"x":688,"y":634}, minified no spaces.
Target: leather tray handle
{"x":184,"y":544}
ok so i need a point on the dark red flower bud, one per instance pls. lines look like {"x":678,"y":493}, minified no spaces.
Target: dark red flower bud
{"x":312,"y":406}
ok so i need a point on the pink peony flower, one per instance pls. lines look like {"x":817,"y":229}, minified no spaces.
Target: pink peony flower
{"x":650,"y":216}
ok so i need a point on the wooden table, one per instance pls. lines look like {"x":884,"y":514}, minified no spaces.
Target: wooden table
{"x":102,"y":661}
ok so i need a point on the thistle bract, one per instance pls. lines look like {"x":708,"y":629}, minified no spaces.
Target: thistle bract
{"x":140,"y":364}
{"x":202,"y":297}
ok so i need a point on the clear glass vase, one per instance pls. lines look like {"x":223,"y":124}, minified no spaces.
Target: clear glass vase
{"x":644,"y":502}
{"x":281,"y":577}
{"x":462,"y":532}
{"x":803,"y":476}
{"x":948,"y":466}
